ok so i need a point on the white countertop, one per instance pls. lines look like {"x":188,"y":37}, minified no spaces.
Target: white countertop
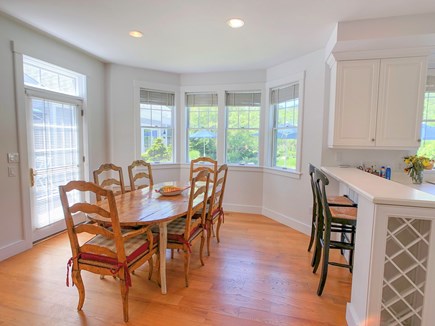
{"x":383,"y":191}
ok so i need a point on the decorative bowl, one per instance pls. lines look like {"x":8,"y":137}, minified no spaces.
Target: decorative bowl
{"x":170,"y":190}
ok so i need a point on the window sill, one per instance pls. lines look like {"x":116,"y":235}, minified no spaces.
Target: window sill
{"x":283,"y":172}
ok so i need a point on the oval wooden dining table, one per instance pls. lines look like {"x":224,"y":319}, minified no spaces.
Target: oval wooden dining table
{"x":147,"y":206}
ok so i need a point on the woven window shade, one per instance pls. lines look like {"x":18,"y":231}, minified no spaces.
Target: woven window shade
{"x":242,"y":99}
{"x":201,"y":99}
{"x":157,"y":98}
{"x":283,"y":94}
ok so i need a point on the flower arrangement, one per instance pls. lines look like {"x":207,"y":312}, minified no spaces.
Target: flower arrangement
{"x":415,"y":165}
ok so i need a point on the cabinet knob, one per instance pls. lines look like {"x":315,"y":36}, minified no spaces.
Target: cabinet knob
{"x":373,"y":139}
{"x":419,"y":140}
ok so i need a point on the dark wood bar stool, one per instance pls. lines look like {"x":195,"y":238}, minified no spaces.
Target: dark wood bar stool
{"x":338,"y":201}
{"x":331,"y":220}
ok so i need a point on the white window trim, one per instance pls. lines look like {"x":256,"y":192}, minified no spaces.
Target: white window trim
{"x":296,"y":78}
{"x":175,"y":89}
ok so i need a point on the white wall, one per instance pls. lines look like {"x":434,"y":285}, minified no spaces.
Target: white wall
{"x":286,"y":198}
{"x":14,"y":217}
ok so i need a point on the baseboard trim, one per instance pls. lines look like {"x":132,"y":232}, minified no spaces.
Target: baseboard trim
{"x":287,"y":220}
{"x":14,"y":249}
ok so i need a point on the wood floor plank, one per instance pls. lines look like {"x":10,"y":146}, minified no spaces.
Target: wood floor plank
{"x":258,"y":275}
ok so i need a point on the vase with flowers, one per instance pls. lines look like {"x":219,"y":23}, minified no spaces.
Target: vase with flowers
{"x":415,"y":165}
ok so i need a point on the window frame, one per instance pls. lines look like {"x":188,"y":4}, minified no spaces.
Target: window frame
{"x":158,"y":87}
{"x":299,"y":79}
{"x":153,"y":109}
{"x":429,"y":93}
{"x":253,"y":93}
{"x":187,"y":123}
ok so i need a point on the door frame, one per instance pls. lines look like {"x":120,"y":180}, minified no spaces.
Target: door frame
{"x":31,"y":92}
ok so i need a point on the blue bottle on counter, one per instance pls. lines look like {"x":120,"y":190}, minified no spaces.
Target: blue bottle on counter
{"x":388,"y":173}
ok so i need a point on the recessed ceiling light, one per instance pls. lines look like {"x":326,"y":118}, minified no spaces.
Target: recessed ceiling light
{"x":235,"y":22}
{"x":135,"y":33}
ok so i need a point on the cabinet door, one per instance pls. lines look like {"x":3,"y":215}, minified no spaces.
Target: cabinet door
{"x":400,"y":106}
{"x":356,"y":103}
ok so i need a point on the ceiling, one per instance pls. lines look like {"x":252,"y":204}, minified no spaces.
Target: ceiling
{"x":191,"y":36}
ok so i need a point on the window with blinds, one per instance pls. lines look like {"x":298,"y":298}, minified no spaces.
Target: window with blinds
{"x":202,"y":124}
{"x":427,"y":146}
{"x":242,"y":127}
{"x":157,"y":125}
{"x":284,"y":102}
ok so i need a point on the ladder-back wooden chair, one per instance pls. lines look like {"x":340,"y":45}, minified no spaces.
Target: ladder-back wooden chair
{"x":203,"y":163}
{"x":110,"y":251}
{"x":336,"y":201}
{"x":140,"y":175}
{"x":332,"y":220}
{"x":185,"y":231}
{"x":109,"y":176}
{"x":215,"y":211}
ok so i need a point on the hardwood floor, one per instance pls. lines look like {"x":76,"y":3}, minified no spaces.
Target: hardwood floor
{"x":259,"y":274}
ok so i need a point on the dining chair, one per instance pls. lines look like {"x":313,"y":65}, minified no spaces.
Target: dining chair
{"x":203,"y":163}
{"x":215,"y":212}
{"x":333,"y":222}
{"x":140,"y":175}
{"x":183,"y":232}
{"x":110,"y":251}
{"x":340,"y":201}
{"x":109,"y":176}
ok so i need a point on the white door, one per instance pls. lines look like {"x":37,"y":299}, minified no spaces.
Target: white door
{"x":55,"y":157}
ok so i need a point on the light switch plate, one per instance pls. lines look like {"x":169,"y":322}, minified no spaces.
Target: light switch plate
{"x":13,"y":158}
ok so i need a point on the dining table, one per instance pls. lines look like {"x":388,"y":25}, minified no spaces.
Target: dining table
{"x":148,"y":206}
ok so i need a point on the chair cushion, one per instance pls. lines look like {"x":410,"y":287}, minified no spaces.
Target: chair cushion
{"x":344,"y":213}
{"x":135,"y":248}
{"x":340,"y":201}
{"x":176,"y":230}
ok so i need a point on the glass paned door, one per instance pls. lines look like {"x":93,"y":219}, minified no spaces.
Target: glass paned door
{"x":55,"y":159}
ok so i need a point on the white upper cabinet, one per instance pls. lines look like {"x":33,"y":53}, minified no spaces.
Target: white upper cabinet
{"x":377,"y":103}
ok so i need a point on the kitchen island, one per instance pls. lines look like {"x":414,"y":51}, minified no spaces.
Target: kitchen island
{"x":393,"y":281}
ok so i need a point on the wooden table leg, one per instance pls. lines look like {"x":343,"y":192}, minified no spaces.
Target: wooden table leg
{"x":162,"y":245}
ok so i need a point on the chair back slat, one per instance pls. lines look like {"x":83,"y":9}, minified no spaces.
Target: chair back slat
{"x":109,"y":176}
{"x":141,"y":171}
{"x":203,"y":163}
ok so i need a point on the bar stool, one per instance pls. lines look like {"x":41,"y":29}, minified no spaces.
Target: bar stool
{"x":339,"y":201}
{"x":331,"y":220}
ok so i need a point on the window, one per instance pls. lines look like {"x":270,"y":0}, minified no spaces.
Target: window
{"x":285,"y":130}
{"x":46,"y":76}
{"x":202,"y":119}
{"x":427,"y":147}
{"x":156,"y":125}
{"x":243,"y":124}
{"x":54,"y":98}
